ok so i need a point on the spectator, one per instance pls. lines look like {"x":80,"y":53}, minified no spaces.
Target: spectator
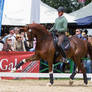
{"x":11,"y":35}
{"x":26,"y":43}
{"x":19,"y":44}
{"x":22,"y":33}
{"x":8,"y":45}
{"x":67,"y":34}
{"x":87,"y":63}
{"x":16,"y":31}
{"x":86,"y":31}
{"x":84,"y":35}
{"x":79,"y":34}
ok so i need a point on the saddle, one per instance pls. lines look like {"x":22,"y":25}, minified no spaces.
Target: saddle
{"x":65,"y":45}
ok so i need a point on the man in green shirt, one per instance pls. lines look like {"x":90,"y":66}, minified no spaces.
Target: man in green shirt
{"x":60,"y":26}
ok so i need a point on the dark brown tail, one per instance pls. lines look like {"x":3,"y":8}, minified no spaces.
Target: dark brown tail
{"x":90,"y":50}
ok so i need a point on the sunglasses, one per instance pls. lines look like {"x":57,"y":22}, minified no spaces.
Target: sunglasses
{"x":9,"y":40}
{"x":19,"y":37}
{"x":77,"y":31}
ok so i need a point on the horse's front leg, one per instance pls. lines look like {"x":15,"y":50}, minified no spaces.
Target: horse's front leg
{"x":32,"y":58}
{"x":50,"y":66}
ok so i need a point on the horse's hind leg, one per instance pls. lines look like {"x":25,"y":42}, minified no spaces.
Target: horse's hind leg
{"x":73,"y":74}
{"x":81,"y":67}
{"x":84,"y":74}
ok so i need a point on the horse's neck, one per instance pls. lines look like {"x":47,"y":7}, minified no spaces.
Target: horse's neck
{"x":41,"y":40}
{"x":42,"y":36}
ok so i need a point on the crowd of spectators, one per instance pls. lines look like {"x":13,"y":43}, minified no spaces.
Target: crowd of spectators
{"x":16,"y":40}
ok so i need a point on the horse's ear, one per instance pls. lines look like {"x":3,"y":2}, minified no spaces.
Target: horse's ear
{"x":25,"y":28}
{"x":28,"y":26}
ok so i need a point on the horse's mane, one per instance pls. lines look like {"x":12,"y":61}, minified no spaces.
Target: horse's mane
{"x":38,"y":27}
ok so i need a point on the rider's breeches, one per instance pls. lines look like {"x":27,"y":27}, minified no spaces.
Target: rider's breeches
{"x":60,"y":41}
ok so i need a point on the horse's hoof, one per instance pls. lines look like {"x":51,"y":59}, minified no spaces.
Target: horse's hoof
{"x":49,"y":84}
{"x":71,"y":82}
{"x":85,"y":84}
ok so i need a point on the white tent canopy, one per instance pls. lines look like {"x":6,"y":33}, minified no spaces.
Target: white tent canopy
{"x":22,"y":12}
{"x":49,"y":14}
{"x":83,"y":12}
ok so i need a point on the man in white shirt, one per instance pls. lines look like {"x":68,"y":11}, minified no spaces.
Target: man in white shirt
{"x":10,"y":35}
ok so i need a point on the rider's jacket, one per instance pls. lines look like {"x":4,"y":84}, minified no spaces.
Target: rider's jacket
{"x":60,"y":24}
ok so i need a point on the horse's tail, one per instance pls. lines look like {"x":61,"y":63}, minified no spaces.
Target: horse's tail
{"x":90,"y":50}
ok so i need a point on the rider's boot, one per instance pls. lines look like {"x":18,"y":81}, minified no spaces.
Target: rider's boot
{"x":64,"y":58}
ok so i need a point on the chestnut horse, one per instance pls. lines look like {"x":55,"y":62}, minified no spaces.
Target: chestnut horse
{"x":45,"y":50}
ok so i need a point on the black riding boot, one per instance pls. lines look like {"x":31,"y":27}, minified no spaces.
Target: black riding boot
{"x":64,"y":59}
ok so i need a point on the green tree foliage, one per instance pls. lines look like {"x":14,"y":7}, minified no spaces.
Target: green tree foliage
{"x":87,"y":1}
{"x":69,"y":5}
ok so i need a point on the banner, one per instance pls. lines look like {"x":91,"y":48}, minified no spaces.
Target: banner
{"x":9,"y":60}
{"x":1,"y":13}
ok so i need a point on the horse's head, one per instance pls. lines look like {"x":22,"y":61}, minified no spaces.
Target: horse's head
{"x":39,"y":27}
{"x":28,"y":31}
{"x":25,"y":28}
{"x":38,"y":30}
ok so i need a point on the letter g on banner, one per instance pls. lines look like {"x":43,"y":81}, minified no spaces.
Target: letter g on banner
{"x":1,"y":64}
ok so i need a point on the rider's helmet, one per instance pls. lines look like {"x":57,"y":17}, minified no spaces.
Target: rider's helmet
{"x":60,"y":9}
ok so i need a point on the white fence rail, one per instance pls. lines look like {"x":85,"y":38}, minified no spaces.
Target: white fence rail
{"x":42,"y":75}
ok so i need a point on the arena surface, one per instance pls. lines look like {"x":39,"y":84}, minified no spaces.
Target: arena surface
{"x":40,"y":86}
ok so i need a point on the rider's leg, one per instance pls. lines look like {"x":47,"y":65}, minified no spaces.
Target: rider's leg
{"x":60,"y":41}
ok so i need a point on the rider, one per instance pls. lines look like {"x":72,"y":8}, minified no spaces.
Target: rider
{"x":60,"y":26}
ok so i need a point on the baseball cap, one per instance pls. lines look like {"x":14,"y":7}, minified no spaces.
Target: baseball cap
{"x":60,"y":9}
{"x":11,"y":28}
